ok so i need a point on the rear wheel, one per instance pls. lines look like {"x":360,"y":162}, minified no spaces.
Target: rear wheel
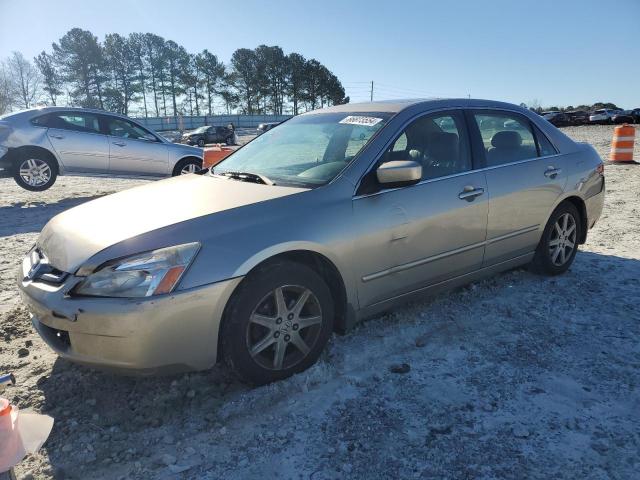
{"x":35,"y":172}
{"x":277,"y":323}
{"x":559,"y":243}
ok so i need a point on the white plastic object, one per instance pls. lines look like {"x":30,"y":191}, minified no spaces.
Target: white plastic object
{"x":20,"y":433}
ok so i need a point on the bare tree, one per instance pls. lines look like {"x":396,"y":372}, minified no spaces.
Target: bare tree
{"x":6,"y":90}
{"x":25,"y":79}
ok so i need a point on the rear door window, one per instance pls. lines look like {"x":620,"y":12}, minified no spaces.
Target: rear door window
{"x":75,"y":121}
{"x":506,"y":137}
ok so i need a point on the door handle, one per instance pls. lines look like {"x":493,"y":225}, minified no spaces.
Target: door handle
{"x":58,"y":136}
{"x":470,"y":193}
{"x":120,"y":144}
{"x":552,"y":172}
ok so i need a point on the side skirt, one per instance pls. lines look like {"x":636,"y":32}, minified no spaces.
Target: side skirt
{"x":431,"y":290}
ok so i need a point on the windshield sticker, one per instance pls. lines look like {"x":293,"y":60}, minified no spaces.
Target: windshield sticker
{"x":357,"y":120}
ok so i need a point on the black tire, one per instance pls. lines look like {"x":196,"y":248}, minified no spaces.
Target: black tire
{"x":229,"y":140}
{"x":544,"y":262}
{"x":239,"y":334}
{"x":201,"y":142}
{"x":184,"y":163}
{"x":33,"y":161}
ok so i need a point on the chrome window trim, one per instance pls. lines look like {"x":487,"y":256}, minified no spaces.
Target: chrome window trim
{"x":446,"y":177}
{"x":518,"y":162}
{"x":422,"y":182}
{"x":148,"y":142}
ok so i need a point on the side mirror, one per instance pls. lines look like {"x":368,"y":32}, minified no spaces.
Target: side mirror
{"x":399,"y":173}
{"x":149,"y":138}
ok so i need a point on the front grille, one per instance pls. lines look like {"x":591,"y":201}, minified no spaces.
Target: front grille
{"x":41,"y":270}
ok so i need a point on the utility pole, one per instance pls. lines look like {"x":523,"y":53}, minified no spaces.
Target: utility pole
{"x":372,"y":90}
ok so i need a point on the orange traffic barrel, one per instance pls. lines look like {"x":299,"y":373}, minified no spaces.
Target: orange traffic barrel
{"x":214,"y":155}
{"x":622,"y":144}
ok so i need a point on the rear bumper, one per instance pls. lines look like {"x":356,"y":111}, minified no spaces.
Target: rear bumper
{"x":163,"y":334}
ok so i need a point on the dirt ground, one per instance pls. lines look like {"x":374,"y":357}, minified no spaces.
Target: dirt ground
{"x":518,"y":376}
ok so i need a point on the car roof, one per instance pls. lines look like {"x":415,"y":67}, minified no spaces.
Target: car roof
{"x":396,"y":106}
{"x":42,"y":110}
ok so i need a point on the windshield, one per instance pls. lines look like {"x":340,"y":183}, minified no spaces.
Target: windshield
{"x":308,"y":150}
{"x":200,"y":129}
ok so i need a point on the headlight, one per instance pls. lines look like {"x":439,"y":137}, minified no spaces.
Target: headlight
{"x":142,"y":275}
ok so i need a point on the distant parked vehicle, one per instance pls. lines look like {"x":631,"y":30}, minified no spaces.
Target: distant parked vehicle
{"x":37,"y":145}
{"x":578,"y":117}
{"x":602,"y":115}
{"x":557,"y":119}
{"x":623,"y":117}
{"x":265,"y":127}
{"x":208,"y":134}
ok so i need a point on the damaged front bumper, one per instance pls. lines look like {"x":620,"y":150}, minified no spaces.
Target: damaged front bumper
{"x":161,"y":334}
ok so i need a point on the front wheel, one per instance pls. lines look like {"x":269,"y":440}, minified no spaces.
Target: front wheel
{"x":187,"y":165}
{"x":277,"y":323}
{"x":35,"y":172}
{"x":559,"y":243}
{"x":201,"y":142}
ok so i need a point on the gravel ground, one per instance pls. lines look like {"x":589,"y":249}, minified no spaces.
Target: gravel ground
{"x":518,"y":376}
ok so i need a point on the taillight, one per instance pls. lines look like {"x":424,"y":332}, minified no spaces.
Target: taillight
{"x":600,"y":169}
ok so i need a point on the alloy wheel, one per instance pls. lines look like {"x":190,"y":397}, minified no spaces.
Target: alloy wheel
{"x":35,"y":172}
{"x":563,"y":239}
{"x":283,"y":327}
{"x":189,"y":168}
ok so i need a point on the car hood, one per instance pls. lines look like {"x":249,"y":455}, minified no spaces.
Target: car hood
{"x":187,"y":150}
{"x":74,"y":236}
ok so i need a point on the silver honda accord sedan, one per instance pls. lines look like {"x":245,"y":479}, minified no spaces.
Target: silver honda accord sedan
{"x":334,"y":216}
{"x":39,"y":144}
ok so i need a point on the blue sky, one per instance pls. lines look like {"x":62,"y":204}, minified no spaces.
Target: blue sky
{"x":555,"y":51}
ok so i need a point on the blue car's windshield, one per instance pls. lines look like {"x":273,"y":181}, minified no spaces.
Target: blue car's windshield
{"x":308,"y":150}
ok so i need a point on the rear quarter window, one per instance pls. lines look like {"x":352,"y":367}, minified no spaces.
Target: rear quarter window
{"x":544,"y":145}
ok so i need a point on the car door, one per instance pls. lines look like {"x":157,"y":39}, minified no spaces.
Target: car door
{"x":76,"y":138}
{"x":132,"y":149}
{"x":422,"y":234}
{"x":210,"y":135}
{"x":525,"y":176}
{"x":221,"y":134}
